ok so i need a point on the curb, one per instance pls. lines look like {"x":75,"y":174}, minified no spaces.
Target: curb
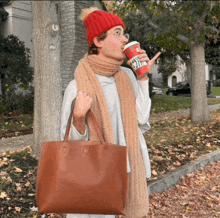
{"x":172,"y":178}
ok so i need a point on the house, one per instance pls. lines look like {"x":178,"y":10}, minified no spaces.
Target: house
{"x":179,"y":75}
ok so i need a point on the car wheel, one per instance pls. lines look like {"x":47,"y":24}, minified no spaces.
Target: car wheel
{"x":170,"y":94}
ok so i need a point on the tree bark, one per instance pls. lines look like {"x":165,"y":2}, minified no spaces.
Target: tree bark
{"x":47,"y":77}
{"x":199,"y":105}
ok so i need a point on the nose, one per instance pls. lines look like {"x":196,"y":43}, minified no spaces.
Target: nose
{"x":124,"y":39}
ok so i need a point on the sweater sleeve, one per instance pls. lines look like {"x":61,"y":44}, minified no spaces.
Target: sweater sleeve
{"x":69,"y":96}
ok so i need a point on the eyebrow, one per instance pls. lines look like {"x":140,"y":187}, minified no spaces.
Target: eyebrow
{"x":119,"y":29}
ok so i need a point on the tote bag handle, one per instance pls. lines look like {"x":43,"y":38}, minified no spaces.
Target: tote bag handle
{"x":90,"y":113}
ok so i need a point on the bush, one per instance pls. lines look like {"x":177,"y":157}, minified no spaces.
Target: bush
{"x":216,"y":83}
{"x":4,"y":108}
{"x":18,"y":99}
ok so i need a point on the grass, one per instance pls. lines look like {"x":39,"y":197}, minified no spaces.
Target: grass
{"x":166,"y":103}
{"x":215,"y":91}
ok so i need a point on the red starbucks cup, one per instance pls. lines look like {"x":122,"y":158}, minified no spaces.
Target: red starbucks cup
{"x":132,"y":50}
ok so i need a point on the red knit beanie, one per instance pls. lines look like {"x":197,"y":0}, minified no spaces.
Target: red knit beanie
{"x":97,"y":22}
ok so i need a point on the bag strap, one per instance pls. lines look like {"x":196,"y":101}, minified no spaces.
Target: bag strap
{"x":96,"y":125}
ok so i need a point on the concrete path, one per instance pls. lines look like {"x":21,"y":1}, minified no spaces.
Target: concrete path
{"x":16,"y":142}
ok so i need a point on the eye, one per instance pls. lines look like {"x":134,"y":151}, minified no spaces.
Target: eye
{"x":118,"y":33}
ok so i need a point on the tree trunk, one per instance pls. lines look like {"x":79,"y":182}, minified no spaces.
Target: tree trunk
{"x":199,"y":105}
{"x":47,"y":77}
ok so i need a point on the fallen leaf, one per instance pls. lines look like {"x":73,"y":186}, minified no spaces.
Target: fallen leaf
{"x":18,"y":170}
{"x":19,"y":188}
{"x":208,"y":145}
{"x":3,"y":153}
{"x":203,"y":177}
{"x":170,"y":168}
{"x":18,"y":209}
{"x":31,"y":194}
{"x":2,"y":163}
{"x":154,"y":172}
{"x":197,"y":182}
{"x":184,"y":203}
{"x":214,"y":188}
{"x":3,"y":195}
{"x":27,"y":184}
{"x":188,"y":208}
{"x":177,"y":163}
{"x":8,"y":179}
{"x":34,"y":208}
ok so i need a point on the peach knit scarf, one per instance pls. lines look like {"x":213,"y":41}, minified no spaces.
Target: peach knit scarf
{"x":86,"y":79}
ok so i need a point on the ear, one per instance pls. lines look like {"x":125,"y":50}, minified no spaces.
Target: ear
{"x":98,"y":43}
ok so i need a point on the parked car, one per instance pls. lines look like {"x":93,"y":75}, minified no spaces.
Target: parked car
{"x":157,"y":91}
{"x":182,"y":88}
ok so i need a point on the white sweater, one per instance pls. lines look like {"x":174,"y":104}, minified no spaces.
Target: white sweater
{"x":143,"y":105}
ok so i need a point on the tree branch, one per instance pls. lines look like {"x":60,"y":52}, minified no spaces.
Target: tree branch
{"x":200,"y":22}
{"x":184,"y":39}
{"x":147,"y":18}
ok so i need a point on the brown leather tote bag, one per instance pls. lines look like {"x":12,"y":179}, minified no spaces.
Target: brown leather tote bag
{"x":84,"y":177}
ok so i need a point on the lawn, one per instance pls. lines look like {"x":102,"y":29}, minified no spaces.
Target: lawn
{"x":166,"y":103}
{"x":215,"y":91}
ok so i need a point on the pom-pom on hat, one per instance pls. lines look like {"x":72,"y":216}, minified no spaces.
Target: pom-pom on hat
{"x":97,"y":22}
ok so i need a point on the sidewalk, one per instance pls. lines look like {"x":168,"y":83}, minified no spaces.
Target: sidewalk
{"x":162,"y":183}
{"x":16,"y":142}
